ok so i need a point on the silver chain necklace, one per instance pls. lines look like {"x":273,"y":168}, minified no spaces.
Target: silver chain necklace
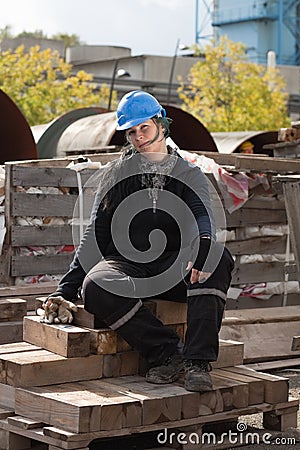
{"x":154,"y":174}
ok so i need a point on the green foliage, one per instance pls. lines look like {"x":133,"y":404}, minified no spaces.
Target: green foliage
{"x":5,"y":33}
{"x":228,"y":93}
{"x":43,"y":87}
{"x":69,"y":39}
{"x":37,"y":34}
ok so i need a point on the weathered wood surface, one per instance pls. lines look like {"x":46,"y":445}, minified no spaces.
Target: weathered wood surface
{"x":34,"y":289}
{"x":36,"y":265}
{"x":17,"y":347}
{"x":121,"y":364}
{"x":23,"y":236}
{"x":65,"y":340}
{"x":12,"y":309}
{"x":264,"y":315}
{"x":111,"y":404}
{"x":264,"y":341}
{"x":48,"y":176}
{"x":60,"y":438}
{"x":296,"y":343}
{"x":7,"y":396}
{"x":276,"y":388}
{"x":292,"y":195}
{"x":47,"y":205}
{"x":78,"y":408}
{"x":256,"y":391}
{"x":11,"y":331}
{"x":267,"y":333}
{"x":41,"y":367}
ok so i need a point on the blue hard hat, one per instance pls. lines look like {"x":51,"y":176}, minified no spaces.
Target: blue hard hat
{"x":136,"y":107}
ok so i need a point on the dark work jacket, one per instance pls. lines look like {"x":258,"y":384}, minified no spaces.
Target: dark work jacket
{"x":131,"y":227}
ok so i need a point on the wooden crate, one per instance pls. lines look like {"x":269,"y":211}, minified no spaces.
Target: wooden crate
{"x":52,"y":239}
{"x":260,"y":210}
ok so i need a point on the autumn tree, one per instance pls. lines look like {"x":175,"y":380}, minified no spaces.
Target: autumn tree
{"x":43,"y":86}
{"x":229,"y":93}
{"x":69,"y":39}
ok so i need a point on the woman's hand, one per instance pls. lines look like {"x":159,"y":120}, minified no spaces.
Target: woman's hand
{"x":197,"y":275}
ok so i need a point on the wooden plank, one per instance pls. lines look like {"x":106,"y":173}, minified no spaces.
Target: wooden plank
{"x":33,"y":289}
{"x":264,"y":245}
{"x":121,"y":364}
{"x":5,"y":412}
{"x":36,"y":265}
{"x":24,"y":422}
{"x":240,"y":389}
{"x":259,"y":272}
{"x":78,"y":408}
{"x":83,"y":318}
{"x":278,"y":165}
{"x":131,"y":411}
{"x":53,"y":447}
{"x":48,"y":176}
{"x":24,"y":236}
{"x":65,"y":340}
{"x":11,"y":331}
{"x":231,"y":353}
{"x":44,"y":204}
{"x":41,"y":368}
{"x":255,"y":386}
{"x":7,"y":396}
{"x":296,"y":343}
{"x":168,"y":313}
{"x":249,"y":302}
{"x":265,"y":202}
{"x":276,"y":388}
{"x":264,"y":315}
{"x":16,"y":347}
{"x":278,"y":364}
{"x":291,"y":191}
{"x":265,"y":341}
{"x":159,"y":403}
{"x":12,"y":309}
{"x":244,"y":217}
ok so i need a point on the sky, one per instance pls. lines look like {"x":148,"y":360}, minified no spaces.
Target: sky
{"x":145,"y":26}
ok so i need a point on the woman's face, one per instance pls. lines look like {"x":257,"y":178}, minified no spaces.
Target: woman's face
{"x":142,"y":135}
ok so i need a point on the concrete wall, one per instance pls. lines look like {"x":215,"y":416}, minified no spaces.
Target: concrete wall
{"x":92,"y":53}
{"x":28,"y":42}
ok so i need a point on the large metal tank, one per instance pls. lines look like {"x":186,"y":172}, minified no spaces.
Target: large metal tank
{"x":229,"y":142}
{"x":17,"y":141}
{"x":89,"y":130}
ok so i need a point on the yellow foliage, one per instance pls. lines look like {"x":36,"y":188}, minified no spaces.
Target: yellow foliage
{"x":43,"y":86}
{"x":228,"y":93}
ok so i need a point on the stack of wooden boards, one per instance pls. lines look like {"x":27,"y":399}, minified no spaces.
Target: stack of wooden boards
{"x":267,"y":333}
{"x":15,"y":303}
{"x":67,"y":385}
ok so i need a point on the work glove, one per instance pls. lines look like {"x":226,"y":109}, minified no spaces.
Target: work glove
{"x":56,"y":310}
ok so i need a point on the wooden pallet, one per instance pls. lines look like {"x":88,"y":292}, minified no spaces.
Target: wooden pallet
{"x":126,"y":419}
{"x":67,"y":385}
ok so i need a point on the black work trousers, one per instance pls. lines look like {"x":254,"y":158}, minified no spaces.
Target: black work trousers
{"x":131,"y":319}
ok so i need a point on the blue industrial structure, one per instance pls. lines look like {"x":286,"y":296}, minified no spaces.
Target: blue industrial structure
{"x":262,"y":25}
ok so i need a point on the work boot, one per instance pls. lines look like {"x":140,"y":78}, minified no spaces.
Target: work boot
{"x":168,"y":371}
{"x":196,"y":376}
